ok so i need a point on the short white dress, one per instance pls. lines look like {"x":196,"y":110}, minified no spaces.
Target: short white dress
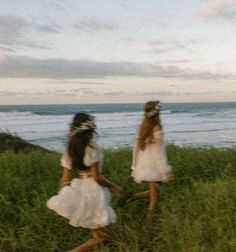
{"x":151,"y":164}
{"x":84,"y":202}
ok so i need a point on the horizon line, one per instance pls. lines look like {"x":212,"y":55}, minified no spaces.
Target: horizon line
{"x":56,"y":104}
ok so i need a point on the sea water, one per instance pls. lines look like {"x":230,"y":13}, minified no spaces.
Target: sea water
{"x":188,"y":124}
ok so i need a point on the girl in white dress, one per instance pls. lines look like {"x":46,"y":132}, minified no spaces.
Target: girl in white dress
{"x":149,"y":158}
{"x":85,"y":201}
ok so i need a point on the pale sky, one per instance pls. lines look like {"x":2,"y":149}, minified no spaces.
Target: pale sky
{"x":113,"y":51}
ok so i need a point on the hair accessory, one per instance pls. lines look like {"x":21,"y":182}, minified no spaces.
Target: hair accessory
{"x":154,"y":111}
{"x":87,"y":125}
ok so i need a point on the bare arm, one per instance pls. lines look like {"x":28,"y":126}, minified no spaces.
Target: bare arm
{"x":65,"y":178}
{"x":101,"y":180}
{"x":134,"y":154}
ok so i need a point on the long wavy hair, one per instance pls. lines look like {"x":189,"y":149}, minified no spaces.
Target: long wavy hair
{"x":145,"y":134}
{"x":77,"y":142}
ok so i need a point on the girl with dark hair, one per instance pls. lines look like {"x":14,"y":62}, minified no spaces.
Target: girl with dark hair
{"x":85,"y":201}
{"x":149,"y":158}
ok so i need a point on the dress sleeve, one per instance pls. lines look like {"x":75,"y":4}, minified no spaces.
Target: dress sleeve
{"x":66,"y":161}
{"x":92,"y":154}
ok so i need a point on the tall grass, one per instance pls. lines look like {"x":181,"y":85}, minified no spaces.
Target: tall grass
{"x":16,"y":144}
{"x":196,"y":213}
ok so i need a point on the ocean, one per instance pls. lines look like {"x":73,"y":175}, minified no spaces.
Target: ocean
{"x":184,"y":124}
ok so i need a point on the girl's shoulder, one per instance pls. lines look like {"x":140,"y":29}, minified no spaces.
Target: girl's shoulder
{"x":157,"y":128}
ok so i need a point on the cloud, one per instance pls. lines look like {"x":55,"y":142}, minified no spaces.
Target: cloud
{"x":95,"y":25}
{"x":6,"y":93}
{"x":55,"y":4}
{"x":117,"y":94}
{"x":190,"y":41}
{"x":48,"y":28}
{"x":27,"y":67}
{"x":177,"y":61}
{"x":33,"y":45}
{"x":11,"y":29}
{"x":167,"y":44}
{"x":214,"y":9}
{"x":157,"y":93}
{"x":6,"y":49}
{"x":160,"y":18}
{"x":2,"y":58}
{"x":49,"y":2}
{"x":78,"y":82}
{"x":141,"y":94}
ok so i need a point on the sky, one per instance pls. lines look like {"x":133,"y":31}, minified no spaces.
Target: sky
{"x":113,"y":51}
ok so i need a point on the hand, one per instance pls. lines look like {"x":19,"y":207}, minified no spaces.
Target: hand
{"x":117,"y":191}
{"x":171,"y":176}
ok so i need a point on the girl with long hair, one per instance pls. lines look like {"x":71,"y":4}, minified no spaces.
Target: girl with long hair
{"x":85,"y":201}
{"x":149,"y":161}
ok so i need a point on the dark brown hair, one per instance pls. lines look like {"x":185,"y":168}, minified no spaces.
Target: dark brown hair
{"x":146,"y":128}
{"x":79,"y":141}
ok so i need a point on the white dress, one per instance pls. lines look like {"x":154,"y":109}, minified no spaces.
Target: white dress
{"x":84,"y":203}
{"x":151,"y":164}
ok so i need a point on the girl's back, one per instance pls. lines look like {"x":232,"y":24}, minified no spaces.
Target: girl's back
{"x":85,"y":201}
{"x":149,"y":155}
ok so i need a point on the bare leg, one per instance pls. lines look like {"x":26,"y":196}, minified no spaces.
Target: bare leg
{"x":153,"y":188}
{"x":91,"y":243}
{"x":151,"y":194}
{"x":100,"y":235}
{"x":137,"y":196}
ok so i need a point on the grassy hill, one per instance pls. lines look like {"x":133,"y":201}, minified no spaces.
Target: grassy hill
{"x":16,"y":144}
{"x":196,"y":213}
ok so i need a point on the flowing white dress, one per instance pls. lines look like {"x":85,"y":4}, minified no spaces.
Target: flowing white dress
{"x":84,"y":203}
{"x":151,"y":164}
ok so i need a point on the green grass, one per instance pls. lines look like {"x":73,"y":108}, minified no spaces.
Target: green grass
{"x":196,"y":213}
{"x":15,"y":143}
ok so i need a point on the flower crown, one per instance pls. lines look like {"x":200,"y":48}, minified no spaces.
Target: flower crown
{"x":87,"y":125}
{"x":154,"y":111}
